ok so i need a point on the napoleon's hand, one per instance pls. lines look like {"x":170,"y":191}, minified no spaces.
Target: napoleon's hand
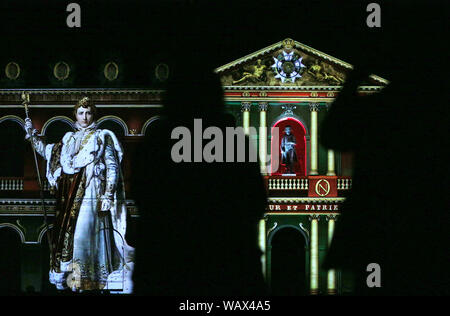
{"x":30,"y":131}
{"x":106,"y":204}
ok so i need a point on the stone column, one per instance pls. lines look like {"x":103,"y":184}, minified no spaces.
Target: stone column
{"x":331,"y":169}
{"x":314,"y":255}
{"x":263,"y":136}
{"x":245,"y":108}
{"x":262,"y":245}
{"x":314,"y":108}
{"x":331,"y":277}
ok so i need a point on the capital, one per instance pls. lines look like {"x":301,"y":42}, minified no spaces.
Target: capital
{"x":263,"y":106}
{"x":331,"y":217}
{"x":314,"y":106}
{"x":314,"y":217}
{"x":245,"y":106}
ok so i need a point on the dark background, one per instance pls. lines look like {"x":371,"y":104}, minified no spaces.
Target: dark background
{"x":140,"y":34}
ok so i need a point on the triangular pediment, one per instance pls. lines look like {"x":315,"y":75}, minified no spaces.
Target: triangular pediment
{"x":288,"y":64}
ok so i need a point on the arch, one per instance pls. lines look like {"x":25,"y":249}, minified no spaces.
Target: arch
{"x":61,"y":118}
{"x":293,"y":116}
{"x":288,"y":266}
{"x":148,"y":122}
{"x":12,"y":133}
{"x":299,"y":131}
{"x":302,"y":231}
{"x":14,"y":118}
{"x":17,"y":229}
{"x":43,"y":232}
{"x":116,"y":119}
{"x":11,"y":258}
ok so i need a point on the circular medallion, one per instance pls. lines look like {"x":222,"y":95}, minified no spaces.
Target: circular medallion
{"x":61,"y":71}
{"x":288,"y":66}
{"x":322,"y":187}
{"x":12,"y":70}
{"x":111,"y":71}
{"x":162,"y":72}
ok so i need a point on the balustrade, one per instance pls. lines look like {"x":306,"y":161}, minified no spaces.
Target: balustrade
{"x":11,"y":184}
{"x":344,"y":183}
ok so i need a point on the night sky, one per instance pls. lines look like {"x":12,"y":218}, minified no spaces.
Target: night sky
{"x":140,"y":34}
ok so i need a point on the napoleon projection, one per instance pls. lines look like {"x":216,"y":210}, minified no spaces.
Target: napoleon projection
{"x":88,"y":249}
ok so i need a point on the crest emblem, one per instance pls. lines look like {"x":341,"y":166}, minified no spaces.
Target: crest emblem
{"x":288,"y":66}
{"x":323,"y":187}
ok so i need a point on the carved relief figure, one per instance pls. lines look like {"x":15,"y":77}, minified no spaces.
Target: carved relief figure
{"x":317,"y":71}
{"x":256,"y":75}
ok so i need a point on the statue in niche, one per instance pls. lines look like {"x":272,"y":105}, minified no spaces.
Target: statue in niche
{"x":288,"y":153}
{"x":258,"y":73}
{"x":317,"y":71}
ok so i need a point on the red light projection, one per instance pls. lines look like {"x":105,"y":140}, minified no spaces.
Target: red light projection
{"x":299,"y":131}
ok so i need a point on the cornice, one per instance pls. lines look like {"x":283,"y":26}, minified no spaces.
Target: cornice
{"x":299,"y":88}
{"x":308,"y":200}
{"x":79,"y":91}
{"x":44,"y":98}
{"x":33,"y":207}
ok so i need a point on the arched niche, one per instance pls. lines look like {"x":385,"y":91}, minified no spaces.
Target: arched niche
{"x":289,"y":261}
{"x":11,"y":239}
{"x":148,"y":122}
{"x":114,"y":124}
{"x":13,"y":227}
{"x":12,"y":146}
{"x":299,"y":132}
{"x":56,"y":127}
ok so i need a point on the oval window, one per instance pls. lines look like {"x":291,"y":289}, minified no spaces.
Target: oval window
{"x":61,"y":71}
{"x":162,"y":72}
{"x":12,"y":70}
{"x":111,"y":71}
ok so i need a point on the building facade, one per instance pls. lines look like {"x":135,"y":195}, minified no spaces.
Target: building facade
{"x":285,"y":84}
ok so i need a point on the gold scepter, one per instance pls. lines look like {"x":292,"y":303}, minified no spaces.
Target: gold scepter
{"x":25,"y":102}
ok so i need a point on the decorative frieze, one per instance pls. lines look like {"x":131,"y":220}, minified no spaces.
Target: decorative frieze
{"x":60,"y":97}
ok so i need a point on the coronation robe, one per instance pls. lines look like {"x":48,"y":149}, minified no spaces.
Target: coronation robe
{"x":89,"y":251}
